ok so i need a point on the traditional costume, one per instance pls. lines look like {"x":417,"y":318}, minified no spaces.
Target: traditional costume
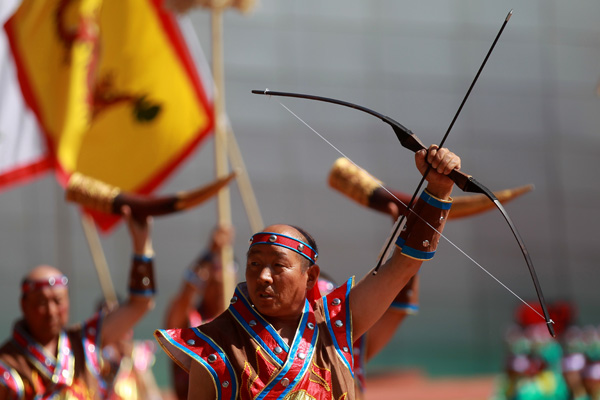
{"x":27,"y":371}
{"x":248,"y":359}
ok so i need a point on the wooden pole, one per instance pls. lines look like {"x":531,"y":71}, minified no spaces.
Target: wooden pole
{"x":221,"y":167}
{"x":91,"y":234}
{"x":243,"y":181}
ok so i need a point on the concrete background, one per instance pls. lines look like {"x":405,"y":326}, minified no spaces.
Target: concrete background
{"x":533,"y":117}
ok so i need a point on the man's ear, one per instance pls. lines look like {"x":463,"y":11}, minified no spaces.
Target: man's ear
{"x":313,"y":273}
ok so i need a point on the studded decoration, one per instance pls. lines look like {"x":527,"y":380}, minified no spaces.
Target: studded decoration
{"x":285,"y":241}
{"x":53,"y":281}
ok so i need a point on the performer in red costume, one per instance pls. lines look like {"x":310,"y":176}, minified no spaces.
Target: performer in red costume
{"x":279,"y":338}
{"x":44,"y":359}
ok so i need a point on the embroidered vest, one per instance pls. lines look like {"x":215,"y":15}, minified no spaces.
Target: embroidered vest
{"x":247,"y":358}
{"x":29,"y":371}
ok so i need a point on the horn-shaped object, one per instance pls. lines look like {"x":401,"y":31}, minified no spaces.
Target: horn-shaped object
{"x":100,"y":196}
{"x":363,"y":188}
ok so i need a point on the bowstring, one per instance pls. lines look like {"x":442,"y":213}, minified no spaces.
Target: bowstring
{"x":417,"y":215}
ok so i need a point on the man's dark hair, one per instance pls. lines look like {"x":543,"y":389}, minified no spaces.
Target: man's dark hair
{"x":309,"y":240}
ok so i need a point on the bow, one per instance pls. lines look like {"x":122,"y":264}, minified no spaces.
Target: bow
{"x":465,"y":182}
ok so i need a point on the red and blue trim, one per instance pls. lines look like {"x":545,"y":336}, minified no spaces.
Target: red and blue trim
{"x":299,"y":359}
{"x":91,"y":349}
{"x":277,"y":239}
{"x":191,"y":342}
{"x":10,"y":379}
{"x":339,"y":322}
{"x":263,"y":332}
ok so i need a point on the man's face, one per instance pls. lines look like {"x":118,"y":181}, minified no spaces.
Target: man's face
{"x":278,"y":278}
{"x":46,"y":312}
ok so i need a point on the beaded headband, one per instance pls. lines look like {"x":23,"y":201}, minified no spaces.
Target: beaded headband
{"x":53,"y":281}
{"x":288,"y":242}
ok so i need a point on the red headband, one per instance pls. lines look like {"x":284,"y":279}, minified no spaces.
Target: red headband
{"x":288,"y":242}
{"x":53,"y":281}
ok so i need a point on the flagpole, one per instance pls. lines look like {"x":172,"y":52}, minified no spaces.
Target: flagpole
{"x":221,"y":167}
{"x":93,"y":241}
{"x":243,"y":182}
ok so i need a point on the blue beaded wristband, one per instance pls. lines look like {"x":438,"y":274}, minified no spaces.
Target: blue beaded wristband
{"x":142,"y":258}
{"x":143,"y":293}
{"x":407,"y":307}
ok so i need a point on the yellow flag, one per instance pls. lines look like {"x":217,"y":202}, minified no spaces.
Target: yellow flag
{"x":113,"y":86}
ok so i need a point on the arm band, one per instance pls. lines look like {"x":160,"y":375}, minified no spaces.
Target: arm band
{"x":407,"y":300}
{"x":417,"y":239}
{"x":141,"y":277}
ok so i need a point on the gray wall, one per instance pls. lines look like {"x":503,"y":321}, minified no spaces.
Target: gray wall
{"x":533,"y":117}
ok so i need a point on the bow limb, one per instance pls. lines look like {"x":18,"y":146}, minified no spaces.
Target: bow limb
{"x":538,"y":289}
{"x":465,"y":182}
{"x":406,"y":137}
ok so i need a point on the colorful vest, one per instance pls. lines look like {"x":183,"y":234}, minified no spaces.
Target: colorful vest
{"x":28,"y":371}
{"x":247,"y":358}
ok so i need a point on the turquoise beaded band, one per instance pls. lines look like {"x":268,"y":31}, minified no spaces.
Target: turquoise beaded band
{"x":409,"y":308}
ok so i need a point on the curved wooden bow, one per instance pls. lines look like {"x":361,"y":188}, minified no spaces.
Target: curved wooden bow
{"x":465,"y":182}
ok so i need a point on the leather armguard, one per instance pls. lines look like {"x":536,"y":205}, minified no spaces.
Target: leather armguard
{"x":141,"y":277}
{"x":417,"y":239}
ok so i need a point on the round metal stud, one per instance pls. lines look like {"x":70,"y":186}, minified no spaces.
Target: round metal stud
{"x":66,"y":351}
{"x":277,"y":350}
{"x":272,"y":238}
{"x":425,"y":243}
{"x":233,"y":299}
{"x":441,"y":219}
{"x":225,"y":384}
{"x":52,"y":281}
{"x":212,"y":358}
{"x":250,"y":240}
{"x":300,"y":247}
{"x":47,"y":362}
{"x":6,"y":375}
{"x":66,"y":374}
{"x":252,"y":323}
{"x":146,"y":281}
{"x":91,"y":348}
{"x":336,"y":302}
{"x":301,"y":356}
{"x":191,"y":342}
{"x":285,"y":382}
{"x":404,"y":228}
{"x":339,"y":323}
{"x":345,"y":349}
{"x":310,"y":325}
